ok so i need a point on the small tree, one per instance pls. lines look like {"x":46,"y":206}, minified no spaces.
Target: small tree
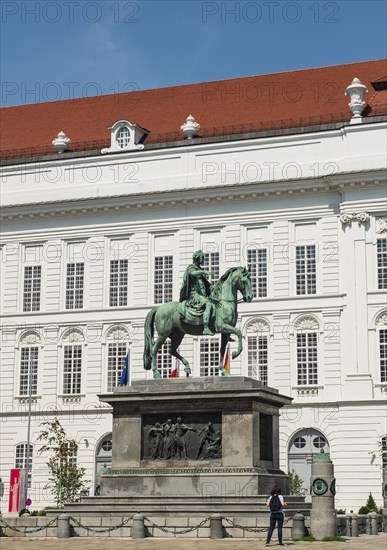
{"x":66,"y":479}
{"x":296,"y":485}
{"x":370,"y":506}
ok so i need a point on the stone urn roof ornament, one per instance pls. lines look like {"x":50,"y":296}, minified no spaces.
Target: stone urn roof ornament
{"x":190,"y":127}
{"x":356,"y":91}
{"x":61,"y":142}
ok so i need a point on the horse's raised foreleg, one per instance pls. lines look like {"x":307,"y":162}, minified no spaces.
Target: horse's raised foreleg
{"x":176,"y":339}
{"x":228,"y":329}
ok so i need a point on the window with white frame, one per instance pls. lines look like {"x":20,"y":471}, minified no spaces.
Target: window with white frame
{"x":257,"y":265}
{"x":70,"y":452}
{"x":72,"y":369}
{"x":209,"y":356}
{"x":31,"y":288}
{"x":164,"y":360}
{"x":381,"y":249}
{"x":383,"y":354}
{"x":116,"y":362}
{"x":74,"y":285}
{"x":383,"y":448}
{"x":306,"y":269}
{"x":118,"y":292}
{"x":257,"y":357}
{"x":307,"y":358}
{"x":257,"y":350}
{"x":29,"y":370}
{"x":163,"y":279}
{"x":123,"y":137}
{"x":211,"y":264}
{"x":21,"y":459}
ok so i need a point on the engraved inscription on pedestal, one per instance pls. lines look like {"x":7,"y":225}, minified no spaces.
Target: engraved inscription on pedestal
{"x":188,"y":436}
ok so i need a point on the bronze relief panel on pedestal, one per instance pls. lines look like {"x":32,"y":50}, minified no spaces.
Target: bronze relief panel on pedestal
{"x":182,"y":436}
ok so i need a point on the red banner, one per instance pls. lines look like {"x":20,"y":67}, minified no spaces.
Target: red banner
{"x":14,"y":490}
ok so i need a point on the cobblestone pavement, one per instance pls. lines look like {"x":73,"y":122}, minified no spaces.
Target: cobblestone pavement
{"x":361,"y":543}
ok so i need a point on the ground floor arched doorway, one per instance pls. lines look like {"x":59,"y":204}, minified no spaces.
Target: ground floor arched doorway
{"x":103,"y":459}
{"x":303,"y":446}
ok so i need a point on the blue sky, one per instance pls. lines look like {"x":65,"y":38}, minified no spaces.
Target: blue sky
{"x":54,"y":50}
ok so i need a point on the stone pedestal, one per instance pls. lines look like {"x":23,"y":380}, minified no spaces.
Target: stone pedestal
{"x":160,"y":461}
{"x":323,"y":489}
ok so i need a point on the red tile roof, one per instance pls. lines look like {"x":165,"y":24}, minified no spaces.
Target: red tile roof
{"x":280,"y":100}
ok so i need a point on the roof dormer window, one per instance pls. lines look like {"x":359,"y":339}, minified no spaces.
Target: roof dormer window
{"x":125,"y":136}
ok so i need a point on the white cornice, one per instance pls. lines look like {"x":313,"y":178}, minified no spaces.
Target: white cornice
{"x":193,"y":196}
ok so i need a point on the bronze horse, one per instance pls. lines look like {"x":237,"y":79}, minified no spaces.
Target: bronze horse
{"x":168,"y":321}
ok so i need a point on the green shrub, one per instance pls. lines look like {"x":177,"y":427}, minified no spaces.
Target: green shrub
{"x":335,"y":538}
{"x":296,"y":485}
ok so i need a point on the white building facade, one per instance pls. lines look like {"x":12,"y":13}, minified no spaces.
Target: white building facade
{"x":91,"y":242}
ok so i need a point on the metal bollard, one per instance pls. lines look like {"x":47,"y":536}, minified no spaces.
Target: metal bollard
{"x":216,"y":527}
{"x":138,"y":529}
{"x":63,"y":531}
{"x":374,"y":523}
{"x":298,"y":526}
{"x":355,"y":525}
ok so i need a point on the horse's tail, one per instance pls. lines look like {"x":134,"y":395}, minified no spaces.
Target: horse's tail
{"x":148,"y":338}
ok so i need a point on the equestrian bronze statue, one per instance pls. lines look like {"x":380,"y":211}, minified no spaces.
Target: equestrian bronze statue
{"x":203,"y":310}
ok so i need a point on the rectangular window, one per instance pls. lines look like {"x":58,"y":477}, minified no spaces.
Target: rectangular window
{"x":70,"y":455}
{"x":118,"y":294}
{"x":382,"y":263}
{"x":306,"y":269}
{"x":29,"y":371}
{"x":116,"y":362}
{"x":21,"y":459}
{"x":72,"y":369}
{"x":163,"y":285}
{"x":74,"y":286}
{"x":257,"y":265}
{"x":307,"y":358}
{"x":211,"y":263}
{"x":383,"y":354}
{"x":164,"y":360}
{"x":209,"y":357}
{"x":32,"y":285}
{"x":257,"y":358}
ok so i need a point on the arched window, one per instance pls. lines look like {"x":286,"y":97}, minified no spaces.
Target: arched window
{"x":21,"y":459}
{"x":73,"y":340}
{"x":123,"y":137}
{"x":258,"y":350}
{"x":307,"y":350}
{"x":117,"y":347}
{"x":29,"y":360}
{"x":381,"y":324}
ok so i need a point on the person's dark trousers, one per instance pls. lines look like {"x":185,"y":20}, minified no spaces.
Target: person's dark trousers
{"x":275,"y":518}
